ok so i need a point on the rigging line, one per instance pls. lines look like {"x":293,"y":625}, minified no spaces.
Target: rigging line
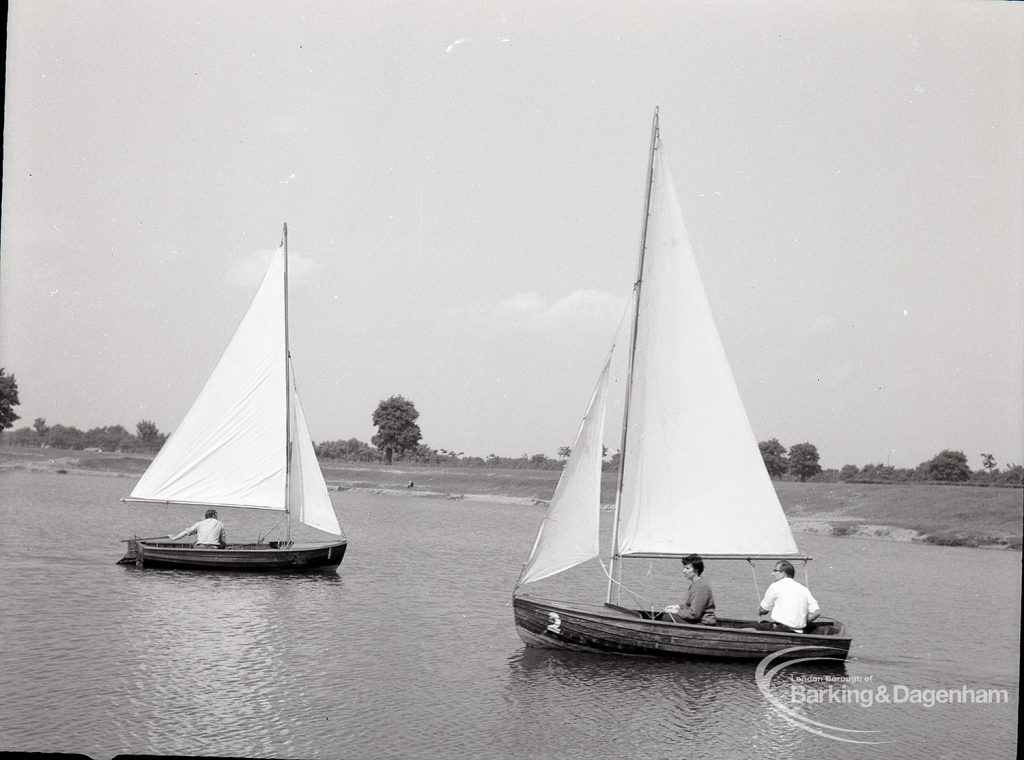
{"x":519,"y":581}
{"x":131,"y":518}
{"x":754,"y":575}
{"x":269,"y":530}
{"x":622,"y":320}
{"x":638,"y":598}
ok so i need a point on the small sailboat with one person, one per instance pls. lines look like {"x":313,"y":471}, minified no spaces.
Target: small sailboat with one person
{"x":245,"y":444}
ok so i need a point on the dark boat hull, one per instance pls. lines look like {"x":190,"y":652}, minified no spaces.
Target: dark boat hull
{"x":618,"y":630}
{"x":273,"y":556}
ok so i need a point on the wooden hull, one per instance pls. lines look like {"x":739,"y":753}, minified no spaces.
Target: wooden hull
{"x":275,"y":556}
{"x":618,"y":630}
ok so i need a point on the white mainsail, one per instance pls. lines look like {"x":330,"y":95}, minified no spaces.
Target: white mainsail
{"x":569,"y":534}
{"x":231,"y":447}
{"x":693,"y":478}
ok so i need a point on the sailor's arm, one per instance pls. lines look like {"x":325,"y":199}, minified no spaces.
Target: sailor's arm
{"x":186,"y":532}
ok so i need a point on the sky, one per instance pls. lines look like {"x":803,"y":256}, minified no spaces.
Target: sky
{"x":463,"y":187}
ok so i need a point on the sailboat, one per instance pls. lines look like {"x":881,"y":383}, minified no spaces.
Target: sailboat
{"x":691,"y":478}
{"x":244,"y":443}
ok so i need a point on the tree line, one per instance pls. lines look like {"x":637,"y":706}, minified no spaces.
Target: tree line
{"x":147,"y":439}
{"x":948,"y":466}
{"x":399,"y":438}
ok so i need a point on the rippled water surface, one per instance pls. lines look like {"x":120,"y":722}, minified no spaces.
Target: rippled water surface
{"x":409,"y":650}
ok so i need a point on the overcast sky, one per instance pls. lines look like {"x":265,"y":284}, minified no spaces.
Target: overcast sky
{"x":463,"y":183}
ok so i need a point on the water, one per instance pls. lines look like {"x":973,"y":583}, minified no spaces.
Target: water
{"x":409,"y":651}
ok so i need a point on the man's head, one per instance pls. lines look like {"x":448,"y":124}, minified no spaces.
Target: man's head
{"x":211,"y":513}
{"x":784,"y":567}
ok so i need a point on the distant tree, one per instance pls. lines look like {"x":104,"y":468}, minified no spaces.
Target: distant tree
{"x":989,"y":463}
{"x":149,"y":435}
{"x":325,"y":450}
{"x":877,"y":473}
{"x":8,"y":400}
{"x":61,"y":437}
{"x":903,"y":475}
{"x":803,"y":460}
{"x":352,"y":450}
{"x":397,"y":431}
{"x":849,"y":472}
{"x":446,"y":455}
{"x":23,"y":436}
{"x":109,"y":438}
{"x":428,"y":455}
{"x":41,"y":429}
{"x":565,"y":452}
{"x":1012,"y":475}
{"x":826,"y":476}
{"x":774,"y":455}
{"x":949,"y":466}
{"x":611,"y":464}
{"x":539,"y":460}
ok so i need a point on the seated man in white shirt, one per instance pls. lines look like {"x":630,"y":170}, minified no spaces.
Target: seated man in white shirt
{"x":788,"y":603}
{"x":210,"y":532}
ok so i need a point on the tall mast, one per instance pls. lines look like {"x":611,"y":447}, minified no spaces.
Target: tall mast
{"x":287,"y":397}
{"x":632,"y":349}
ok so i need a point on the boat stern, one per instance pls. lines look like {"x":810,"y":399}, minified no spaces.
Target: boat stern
{"x":131,"y":555}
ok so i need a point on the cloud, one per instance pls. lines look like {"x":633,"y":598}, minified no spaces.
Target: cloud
{"x":527,"y":304}
{"x":586,"y":306}
{"x":529,"y":311}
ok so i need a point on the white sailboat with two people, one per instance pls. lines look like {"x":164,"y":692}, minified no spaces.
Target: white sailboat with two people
{"x":245,"y":444}
{"x":691,"y":478}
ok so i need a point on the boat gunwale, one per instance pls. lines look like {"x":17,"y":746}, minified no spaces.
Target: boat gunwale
{"x":241,"y":548}
{"x":625,"y":614}
{"x":252,"y":558}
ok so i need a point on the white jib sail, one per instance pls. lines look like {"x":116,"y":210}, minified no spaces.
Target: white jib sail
{"x":570,"y":533}
{"x":309,"y":500}
{"x":230,"y":449}
{"x":693,"y":478}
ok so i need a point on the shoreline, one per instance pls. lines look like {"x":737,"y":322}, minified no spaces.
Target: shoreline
{"x":812,"y":525}
{"x":805,"y":522}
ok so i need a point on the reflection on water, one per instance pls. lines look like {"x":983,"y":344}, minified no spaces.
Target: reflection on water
{"x":658,"y":706}
{"x":219,"y":647}
{"x":410,"y":650}
{"x":231,"y":634}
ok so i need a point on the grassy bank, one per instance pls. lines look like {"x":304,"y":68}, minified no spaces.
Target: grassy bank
{"x":989,"y":517}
